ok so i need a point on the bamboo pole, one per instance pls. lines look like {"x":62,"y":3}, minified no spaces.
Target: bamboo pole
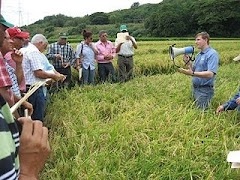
{"x":31,"y":90}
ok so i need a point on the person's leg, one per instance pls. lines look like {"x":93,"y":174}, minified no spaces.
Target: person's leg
{"x":121,"y":69}
{"x":129,"y":68}
{"x":37,"y":99}
{"x":101,"y":72}
{"x":84,"y":76}
{"x":203,"y":97}
{"x":111,"y":71}
{"x":91,"y":76}
{"x":68,"y":80}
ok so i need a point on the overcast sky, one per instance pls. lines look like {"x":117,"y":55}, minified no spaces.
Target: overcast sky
{"x":21,"y":12}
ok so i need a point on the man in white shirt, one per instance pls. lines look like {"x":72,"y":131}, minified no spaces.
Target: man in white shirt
{"x":125,"y":52}
{"x":34,"y":72}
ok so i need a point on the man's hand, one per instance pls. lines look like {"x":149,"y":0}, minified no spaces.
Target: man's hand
{"x":238,"y":101}
{"x":58,"y":56}
{"x":128,"y":37}
{"x":219,"y":109}
{"x":186,"y":59}
{"x":108,"y":57}
{"x":65,"y":65}
{"x":34,"y":148}
{"x":17,"y":56}
{"x":29,"y":107}
{"x":186,"y":71}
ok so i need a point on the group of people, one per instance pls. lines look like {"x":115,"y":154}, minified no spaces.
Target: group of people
{"x":22,"y":157}
{"x":22,"y":64}
{"x":88,"y":53}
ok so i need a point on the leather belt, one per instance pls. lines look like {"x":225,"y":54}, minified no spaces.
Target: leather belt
{"x":203,"y":86}
{"x":125,"y":56}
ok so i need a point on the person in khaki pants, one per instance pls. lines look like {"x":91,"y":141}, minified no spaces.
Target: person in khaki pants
{"x":125,"y":50}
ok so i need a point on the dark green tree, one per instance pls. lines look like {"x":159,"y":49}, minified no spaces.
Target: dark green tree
{"x":99,"y":18}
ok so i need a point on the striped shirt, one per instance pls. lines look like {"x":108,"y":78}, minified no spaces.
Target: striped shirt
{"x":9,"y":144}
{"x":66,"y":51}
{"x":15,"y":87}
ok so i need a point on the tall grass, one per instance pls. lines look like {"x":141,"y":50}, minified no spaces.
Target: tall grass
{"x":147,"y":128}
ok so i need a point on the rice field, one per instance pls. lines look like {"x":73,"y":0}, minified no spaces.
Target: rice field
{"x":147,"y":128}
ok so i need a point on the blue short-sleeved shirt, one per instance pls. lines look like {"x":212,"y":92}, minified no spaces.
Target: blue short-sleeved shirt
{"x":206,"y":60}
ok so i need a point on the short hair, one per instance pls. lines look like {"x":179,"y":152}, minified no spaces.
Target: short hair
{"x":102,"y":32}
{"x":204,"y":35}
{"x":39,"y":38}
{"x":86,"y":34}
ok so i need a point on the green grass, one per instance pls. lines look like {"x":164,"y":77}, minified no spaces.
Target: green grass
{"x":147,"y":128}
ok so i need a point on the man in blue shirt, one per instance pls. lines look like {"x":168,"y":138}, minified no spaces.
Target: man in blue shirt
{"x":231,"y":104}
{"x":203,"y":71}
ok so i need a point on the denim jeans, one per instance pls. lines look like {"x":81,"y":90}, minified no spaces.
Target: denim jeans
{"x":88,"y":76}
{"x":38,"y":101}
{"x":104,"y":69}
{"x":203,"y":96}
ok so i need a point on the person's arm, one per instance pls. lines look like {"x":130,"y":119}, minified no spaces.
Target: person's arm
{"x":6,"y":95}
{"x":50,"y":53}
{"x":44,"y":75}
{"x":113,"y":51}
{"x":133,"y":42}
{"x":26,"y":104}
{"x":118,"y":47}
{"x":189,"y":71}
{"x":34,"y":148}
{"x":17,"y":57}
{"x":100,"y":56}
{"x":72,"y":57}
{"x":93,"y":48}
{"x":230,"y":105}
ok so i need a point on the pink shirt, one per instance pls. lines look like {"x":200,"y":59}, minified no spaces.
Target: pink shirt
{"x":11,"y":62}
{"x":104,"y":49}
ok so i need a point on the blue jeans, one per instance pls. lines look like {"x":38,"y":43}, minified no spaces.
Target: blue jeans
{"x":203,"y":96}
{"x":88,"y":76}
{"x":38,"y":101}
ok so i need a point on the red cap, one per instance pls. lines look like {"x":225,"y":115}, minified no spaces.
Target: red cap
{"x":16,"y":32}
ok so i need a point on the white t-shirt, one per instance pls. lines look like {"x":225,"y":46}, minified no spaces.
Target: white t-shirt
{"x":127,"y":48}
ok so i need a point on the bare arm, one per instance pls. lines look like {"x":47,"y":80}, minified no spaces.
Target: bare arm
{"x":134,"y":43}
{"x":118,"y":47}
{"x":17,"y":57}
{"x":6,"y":95}
{"x":44,"y":75}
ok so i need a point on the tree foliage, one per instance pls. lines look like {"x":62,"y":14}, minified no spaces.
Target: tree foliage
{"x":99,"y":18}
{"x":176,"y":18}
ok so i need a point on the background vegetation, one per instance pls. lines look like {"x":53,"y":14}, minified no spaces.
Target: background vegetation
{"x":170,"y":18}
{"x":147,"y":128}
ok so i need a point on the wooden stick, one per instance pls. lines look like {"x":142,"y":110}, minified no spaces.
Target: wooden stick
{"x":32,"y":89}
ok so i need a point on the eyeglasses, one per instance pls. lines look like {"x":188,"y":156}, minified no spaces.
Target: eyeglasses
{"x":104,"y":35}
